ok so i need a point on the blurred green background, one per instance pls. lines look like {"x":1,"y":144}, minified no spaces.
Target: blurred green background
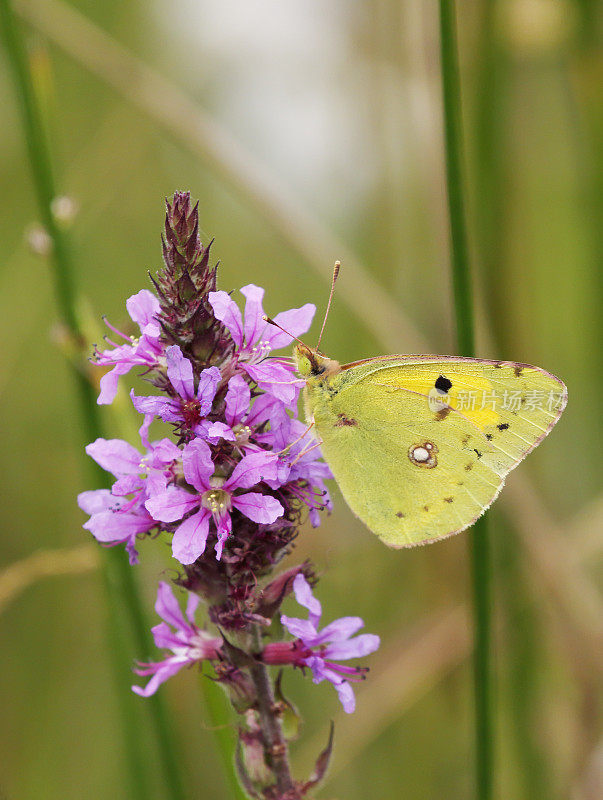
{"x":311,"y":131}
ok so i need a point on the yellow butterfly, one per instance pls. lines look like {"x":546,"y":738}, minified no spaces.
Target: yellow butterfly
{"x":420,"y":445}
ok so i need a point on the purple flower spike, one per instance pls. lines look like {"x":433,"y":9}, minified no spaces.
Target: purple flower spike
{"x":320,"y":650}
{"x":214,"y":499}
{"x":255,"y":339}
{"x":187,"y":643}
{"x":146,"y":351}
{"x":189,"y":408}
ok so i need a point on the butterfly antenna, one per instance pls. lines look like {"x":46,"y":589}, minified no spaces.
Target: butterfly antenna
{"x":324,"y":322}
{"x":276,"y":325}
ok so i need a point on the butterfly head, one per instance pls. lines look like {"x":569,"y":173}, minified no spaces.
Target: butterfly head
{"x":312,"y":364}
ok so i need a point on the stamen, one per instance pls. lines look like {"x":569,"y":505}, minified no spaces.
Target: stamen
{"x":116,"y":330}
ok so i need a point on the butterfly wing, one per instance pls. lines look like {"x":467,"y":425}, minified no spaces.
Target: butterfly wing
{"x":420,"y":446}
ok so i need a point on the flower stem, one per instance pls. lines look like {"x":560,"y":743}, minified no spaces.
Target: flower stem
{"x":118,"y":577}
{"x":276,"y":749}
{"x":479,"y":540}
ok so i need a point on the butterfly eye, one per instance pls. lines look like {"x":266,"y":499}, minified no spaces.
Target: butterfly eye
{"x":423,"y":455}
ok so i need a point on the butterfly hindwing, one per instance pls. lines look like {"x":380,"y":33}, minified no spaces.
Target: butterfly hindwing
{"x":420,"y":445}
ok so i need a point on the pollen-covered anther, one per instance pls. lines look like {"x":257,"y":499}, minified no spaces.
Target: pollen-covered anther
{"x":258,"y":352}
{"x":243,"y":432}
{"x":216,"y":500}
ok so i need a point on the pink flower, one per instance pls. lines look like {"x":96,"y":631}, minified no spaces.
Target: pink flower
{"x":320,"y":650}
{"x":255,"y":339}
{"x":214,"y":499}
{"x":188,"y":644}
{"x":115,"y":519}
{"x":146,"y":351}
{"x":191,"y":405}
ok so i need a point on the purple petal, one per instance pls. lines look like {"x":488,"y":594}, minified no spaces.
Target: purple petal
{"x":143,"y":431}
{"x":168,"y":608}
{"x":296,"y":321}
{"x":117,"y":526}
{"x":264,"y":408}
{"x":154,"y":404}
{"x":180,"y":372}
{"x":214,"y":431}
{"x":197,"y":463}
{"x":304,"y":596}
{"x":354,"y":648}
{"x":206,"y":390}
{"x":258,"y":507}
{"x":319,"y":669}
{"x":165,"y":670}
{"x":346,"y":695}
{"x":115,"y":455}
{"x":224,"y":530}
{"x":155,"y":484}
{"x":300,"y":628}
{"x":165,"y":451}
{"x":95,"y":500}
{"x":127,"y":484}
{"x":254,"y":324}
{"x":190,"y":537}
{"x":167,"y":639}
{"x":238,"y":399}
{"x":172,"y":504}
{"x":341,"y":629}
{"x":227,"y":311}
{"x":275,"y":378}
{"x":251,"y":470}
{"x":143,"y":307}
{"x":109,"y":381}
{"x":191,"y":606}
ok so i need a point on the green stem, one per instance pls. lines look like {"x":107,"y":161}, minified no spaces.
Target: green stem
{"x":479,"y":541}
{"x":118,"y":578}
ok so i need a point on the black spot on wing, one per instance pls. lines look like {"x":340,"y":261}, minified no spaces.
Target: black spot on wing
{"x":503,"y":426}
{"x":443,"y":384}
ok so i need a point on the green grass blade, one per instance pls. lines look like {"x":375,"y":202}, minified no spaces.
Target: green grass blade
{"x":220,"y":718}
{"x":461,"y":277}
